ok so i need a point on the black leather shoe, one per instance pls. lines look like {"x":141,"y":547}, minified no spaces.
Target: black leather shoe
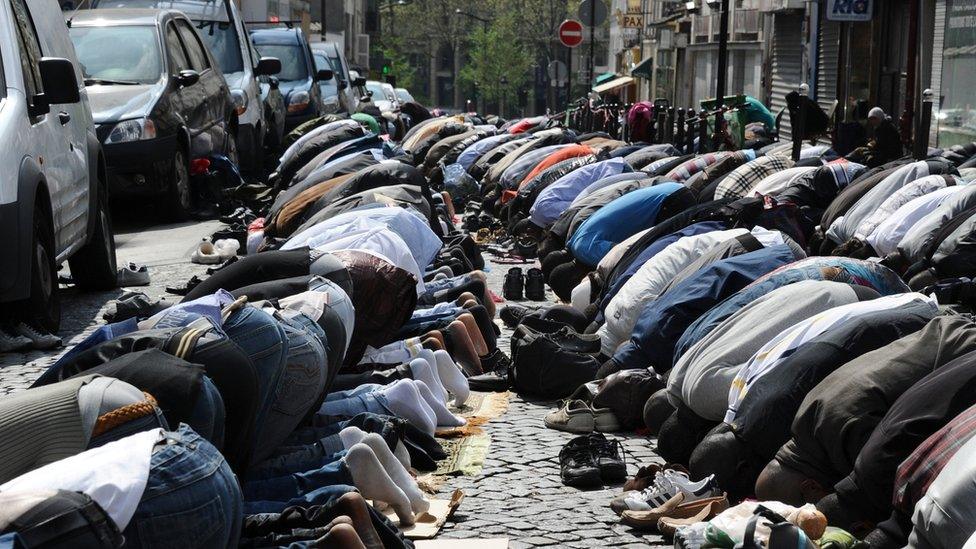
{"x":495,"y":381}
{"x":535,"y":285}
{"x":514,"y":284}
{"x":606,"y":455}
{"x":512,"y":314}
{"x":576,"y":464}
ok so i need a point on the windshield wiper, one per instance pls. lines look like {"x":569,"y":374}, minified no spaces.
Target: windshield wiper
{"x":105,"y":82}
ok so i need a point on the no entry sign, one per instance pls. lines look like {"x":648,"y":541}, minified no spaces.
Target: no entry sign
{"x":571,"y":33}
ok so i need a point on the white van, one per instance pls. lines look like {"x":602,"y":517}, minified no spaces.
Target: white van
{"x":53,"y":199}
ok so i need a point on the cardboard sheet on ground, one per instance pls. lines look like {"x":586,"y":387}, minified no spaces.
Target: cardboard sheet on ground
{"x":430,"y":522}
{"x":494,"y":543}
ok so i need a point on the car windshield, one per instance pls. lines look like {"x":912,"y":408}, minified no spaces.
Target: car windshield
{"x":293,"y":65}
{"x":404,"y":96}
{"x":379,"y":94}
{"x":221,"y":40}
{"x":103,"y":62}
{"x":329,"y":88}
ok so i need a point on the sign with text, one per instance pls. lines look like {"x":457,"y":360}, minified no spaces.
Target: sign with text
{"x":850,"y":10}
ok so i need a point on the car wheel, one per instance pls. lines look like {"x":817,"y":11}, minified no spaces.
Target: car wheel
{"x":181,"y":196}
{"x":93,"y":267}
{"x":44,"y":304}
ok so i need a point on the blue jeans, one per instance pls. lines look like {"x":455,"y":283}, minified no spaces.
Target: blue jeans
{"x":315,"y":487}
{"x":131,"y":427}
{"x":191,"y":499}
{"x":300,"y":387}
{"x":265,"y":342}
{"x":208,"y":416}
{"x":332,"y":410}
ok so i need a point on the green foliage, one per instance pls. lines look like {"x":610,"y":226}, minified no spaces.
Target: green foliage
{"x":496,"y":54}
{"x":396,"y":60}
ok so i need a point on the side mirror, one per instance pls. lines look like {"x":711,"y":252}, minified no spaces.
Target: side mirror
{"x":341,"y":84}
{"x":268,"y":66}
{"x":323,"y":75}
{"x":59,"y":81}
{"x":359,"y":81}
{"x":187,"y":78}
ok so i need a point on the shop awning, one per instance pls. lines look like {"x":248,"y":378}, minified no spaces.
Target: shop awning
{"x":605,"y":77}
{"x":614,"y":84}
{"x":643,"y":68}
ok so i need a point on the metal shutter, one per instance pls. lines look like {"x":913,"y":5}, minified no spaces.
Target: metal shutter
{"x":828,"y":60}
{"x":938,"y":44}
{"x":786,"y":70}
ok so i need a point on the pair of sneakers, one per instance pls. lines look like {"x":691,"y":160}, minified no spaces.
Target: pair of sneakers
{"x":23,"y":337}
{"x":532,"y":283}
{"x":591,"y":460}
{"x":670,"y":498}
{"x":577,"y":416}
{"x":211,"y":253}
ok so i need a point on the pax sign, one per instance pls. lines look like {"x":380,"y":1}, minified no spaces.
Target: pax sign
{"x":849,"y":10}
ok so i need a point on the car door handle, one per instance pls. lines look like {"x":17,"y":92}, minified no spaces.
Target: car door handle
{"x":64,"y":117}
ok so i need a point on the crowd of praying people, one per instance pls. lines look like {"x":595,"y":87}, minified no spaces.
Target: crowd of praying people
{"x":795,"y":334}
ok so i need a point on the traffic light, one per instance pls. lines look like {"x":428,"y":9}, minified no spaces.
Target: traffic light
{"x":386,"y":69}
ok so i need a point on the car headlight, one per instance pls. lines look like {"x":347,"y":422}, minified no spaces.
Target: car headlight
{"x":240,"y":101}
{"x":132,"y":130}
{"x":298,"y":102}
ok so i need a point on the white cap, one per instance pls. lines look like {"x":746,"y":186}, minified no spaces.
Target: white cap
{"x":878,"y":113}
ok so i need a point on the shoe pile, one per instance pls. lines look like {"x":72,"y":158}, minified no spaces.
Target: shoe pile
{"x":578,"y":416}
{"x":669,"y":500}
{"x":211,"y":253}
{"x":550,"y":360}
{"x":498,"y":373}
{"x":590,"y":461}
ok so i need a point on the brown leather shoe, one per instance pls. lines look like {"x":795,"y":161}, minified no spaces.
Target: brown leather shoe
{"x":668,"y":525}
{"x":645,"y":476}
{"x":674,"y":508}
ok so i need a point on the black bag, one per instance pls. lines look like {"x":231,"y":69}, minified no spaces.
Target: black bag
{"x":65,"y":520}
{"x":782,"y":534}
{"x":540,"y":367}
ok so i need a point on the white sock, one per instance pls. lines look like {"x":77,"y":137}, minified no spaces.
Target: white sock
{"x":452,"y":377}
{"x":402,"y":454}
{"x":351,"y":436}
{"x":405,"y":401}
{"x":444,"y":416}
{"x":425,"y":371}
{"x":396,"y":471}
{"x":428,"y":355}
{"x":373,"y":482}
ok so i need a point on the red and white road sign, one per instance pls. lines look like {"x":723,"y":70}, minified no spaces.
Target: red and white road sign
{"x":571,"y":33}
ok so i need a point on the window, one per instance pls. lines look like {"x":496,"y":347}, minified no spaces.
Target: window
{"x":177,"y":55}
{"x":194,"y":49}
{"x":30,"y":50}
{"x":293,"y":64}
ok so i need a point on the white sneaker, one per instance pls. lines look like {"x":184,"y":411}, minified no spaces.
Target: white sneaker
{"x":666,"y":485}
{"x":205,"y":254}
{"x":133,"y":275}
{"x":39,"y":340}
{"x":13,"y":342}
{"x":226,"y":248}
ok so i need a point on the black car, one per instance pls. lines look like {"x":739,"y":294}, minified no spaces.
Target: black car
{"x":157,"y":97}
{"x":298,"y":79}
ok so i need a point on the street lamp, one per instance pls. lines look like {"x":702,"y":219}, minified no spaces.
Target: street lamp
{"x":723,"y":48}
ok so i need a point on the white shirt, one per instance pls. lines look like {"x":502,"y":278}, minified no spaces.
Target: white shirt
{"x":902,"y":196}
{"x":886,"y":236}
{"x":383,"y":242}
{"x":778,"y":349}
{"x":113,"y":475}
{"x":779,"y":181}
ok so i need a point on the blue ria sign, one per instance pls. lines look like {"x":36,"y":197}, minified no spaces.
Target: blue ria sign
{"x":849,"y":10}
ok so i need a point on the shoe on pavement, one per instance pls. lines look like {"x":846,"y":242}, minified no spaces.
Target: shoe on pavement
{"x":39,"y":340}
{"x":574,"y":417}
{"x":133,"y":275}
{"x":710,"y":508}
{"x":514,"y":285}
{"x":495,"y":381}
{"x":606,"y":454}
{"x":568,"y":339}
{"x":11,"y":341}
{"x":645,"y":476}
{"x":604,"y":420}
{"x":667,"y":484}
{"x":512,"y":314}
{"x":535,"y":285}
{"x":576,"y":464}
{"x":205,"y":254}
{"x":226,"y":248}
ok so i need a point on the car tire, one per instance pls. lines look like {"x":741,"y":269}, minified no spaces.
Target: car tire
{"x":180,"y":193}
{"x":43,"y":306}
{"x":94,"y":266}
